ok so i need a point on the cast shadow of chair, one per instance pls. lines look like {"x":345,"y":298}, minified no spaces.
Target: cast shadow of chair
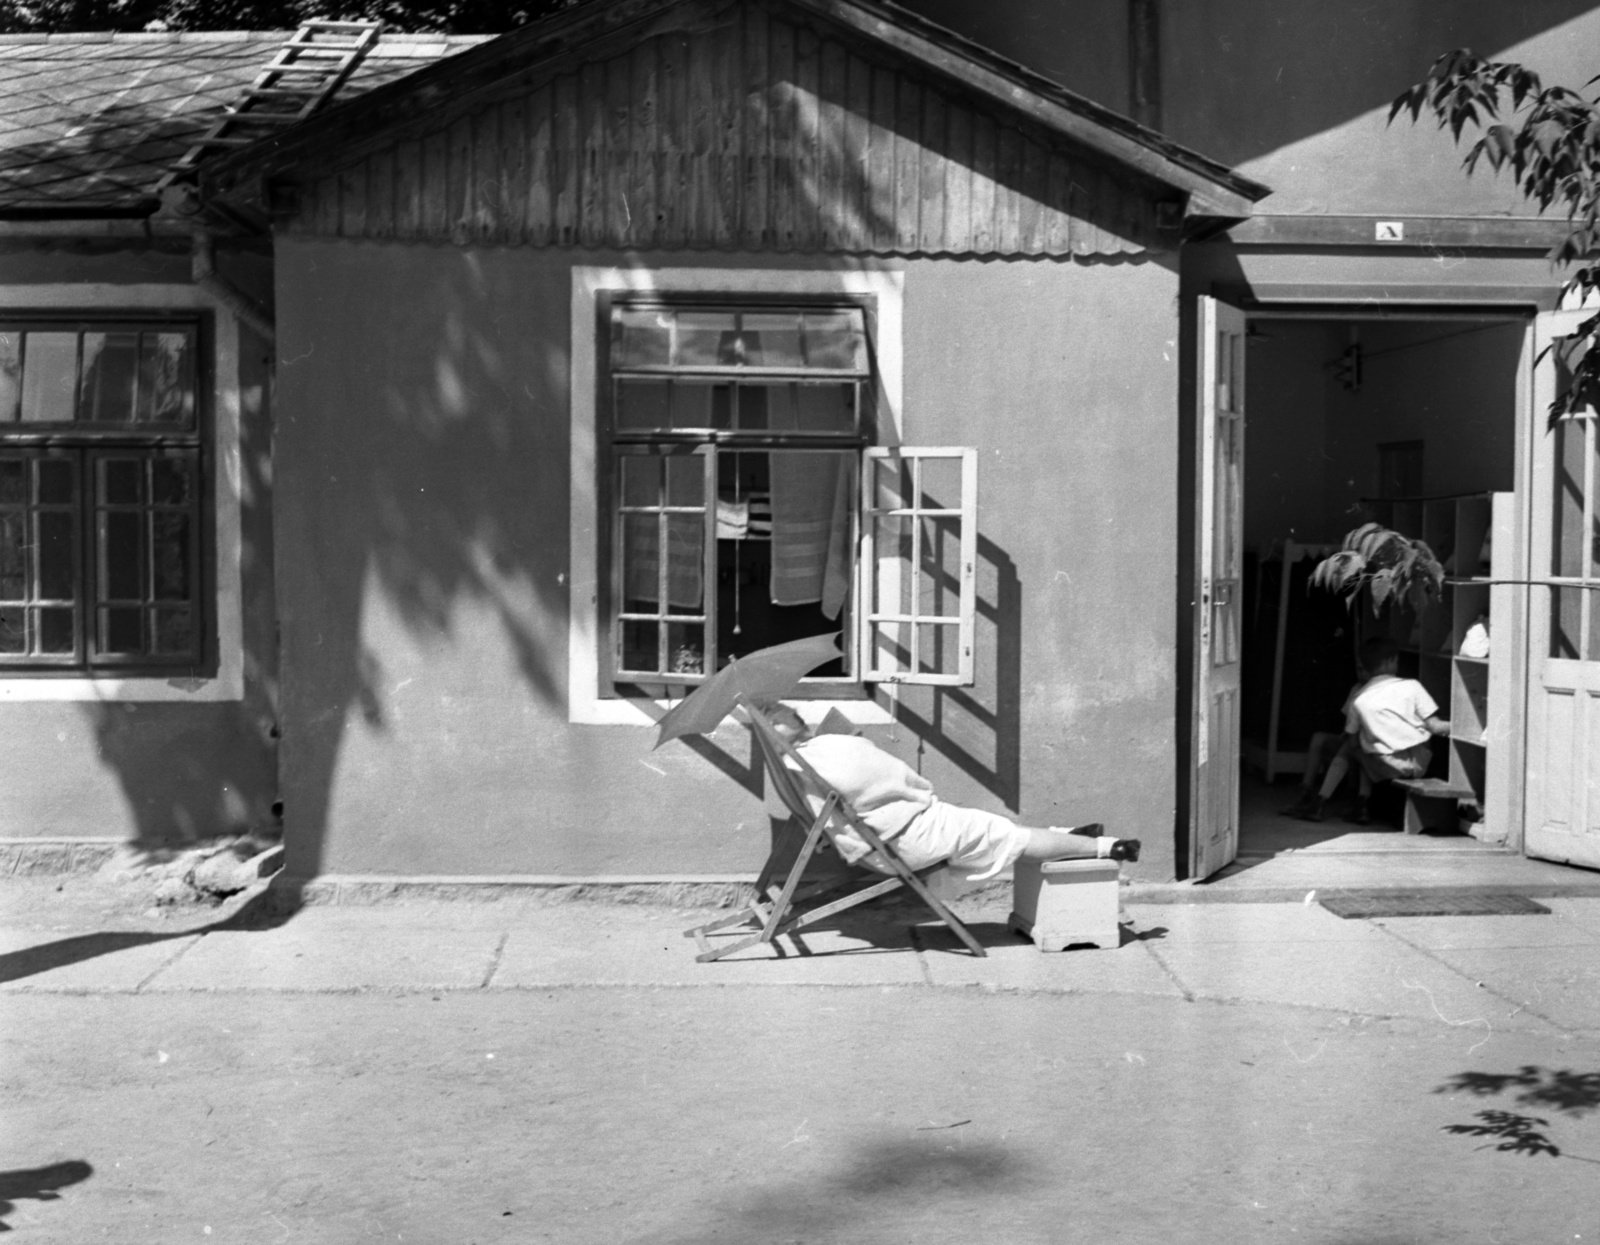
{"x":39,"y":1184}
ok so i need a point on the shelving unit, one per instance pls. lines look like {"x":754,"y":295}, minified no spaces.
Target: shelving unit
{"x":1463,"y":532}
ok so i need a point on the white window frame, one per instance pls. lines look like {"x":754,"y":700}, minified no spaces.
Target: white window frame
{"x":886,"y":286}
{"x":103,"y":300}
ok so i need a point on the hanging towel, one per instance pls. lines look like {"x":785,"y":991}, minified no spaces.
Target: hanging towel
{"x":685,"y":565}
{"x":810,"y":529}
{"x":733,"y":520}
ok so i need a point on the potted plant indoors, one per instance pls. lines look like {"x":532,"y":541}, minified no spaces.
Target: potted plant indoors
{"x":1385,"y":567}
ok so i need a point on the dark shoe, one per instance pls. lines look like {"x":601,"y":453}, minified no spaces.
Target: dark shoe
{"x":1304,"y":803}
{"x":1124,"y":849}
{"x":1091,"y":831}
{"x":1361,"y":814}
{"x":1312,"y":812}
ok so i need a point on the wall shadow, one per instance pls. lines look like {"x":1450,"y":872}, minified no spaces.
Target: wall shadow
{"x":38,"y":1184}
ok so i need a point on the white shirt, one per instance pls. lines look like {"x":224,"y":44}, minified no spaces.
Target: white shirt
{"x":1388,"y":713}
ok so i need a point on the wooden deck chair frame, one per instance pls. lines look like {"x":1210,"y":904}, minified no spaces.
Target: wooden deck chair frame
{"x":774,"y":908}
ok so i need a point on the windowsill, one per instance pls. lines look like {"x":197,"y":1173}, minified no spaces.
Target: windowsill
{"x":227,"y":684}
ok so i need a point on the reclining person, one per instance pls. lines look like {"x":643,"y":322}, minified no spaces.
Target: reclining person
{"x":898,"y":803}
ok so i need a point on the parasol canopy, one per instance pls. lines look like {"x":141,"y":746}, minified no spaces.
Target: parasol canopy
{"x":765,"y":674}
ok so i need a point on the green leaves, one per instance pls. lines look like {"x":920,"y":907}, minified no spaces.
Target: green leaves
{"x":1389,"y":566}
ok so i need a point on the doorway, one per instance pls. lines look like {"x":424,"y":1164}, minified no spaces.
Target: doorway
{"x":1408,"y":419}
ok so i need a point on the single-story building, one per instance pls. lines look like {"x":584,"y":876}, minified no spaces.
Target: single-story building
{"x":654,"y":333}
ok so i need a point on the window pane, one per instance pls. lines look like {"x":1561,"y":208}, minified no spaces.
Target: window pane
{"x":892,"y":575}
{"x":13,"y":481}
{"x":639,"y":646}
{"x":686,"y":567}
{"x":10,"y":376}
{"x":110,"y":365}
{"x":686,"y":648}
{"x":772,"y":340}
{"x":890,"y":647}
{"x":175,"y":634}
{"x":644,"y":404}
{"x":706,"y":339}
{"x":122,"y":555}
{"x":641,"y":480}
{"x":700,"y":404}
{"x":755,"y":411}
{"x":166,"y":378}
{"x":49,"y":377}
{"x":170,"y":556}
{"x":122,"y":630}
{"x":641,"y":338}
{"x":641,"y":563}
{"x":941,"y":484}
{"x":58,"y":481}
{"x":56,"y":631}
{"x":13,"y":630}
{"x":13,"y":556}
{"x":939,"y":585}
{"x":686,"y":480}
{"x":836,"y":339}
{"x":57,"y":554}
{"x":938,"y":648}
{"x":170,"y":481}
{"x":122,"y":481}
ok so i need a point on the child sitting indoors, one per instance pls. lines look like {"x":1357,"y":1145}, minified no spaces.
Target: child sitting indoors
{"x":1387,"y":728}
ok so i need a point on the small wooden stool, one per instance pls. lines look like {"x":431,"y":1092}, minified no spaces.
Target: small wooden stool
{"x":1061,"y":902}
{"x":1430,"y":803}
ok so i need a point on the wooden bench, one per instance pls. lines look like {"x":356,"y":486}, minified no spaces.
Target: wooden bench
{"x":1431,"y":803}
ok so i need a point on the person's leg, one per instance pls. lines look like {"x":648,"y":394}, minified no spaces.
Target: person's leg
{"x":1319,"y":752}
{"x":1054,"y":843}
{"x":1337,"y":769}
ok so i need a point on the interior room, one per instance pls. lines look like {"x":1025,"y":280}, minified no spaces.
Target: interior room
{"x":1407,"y":420}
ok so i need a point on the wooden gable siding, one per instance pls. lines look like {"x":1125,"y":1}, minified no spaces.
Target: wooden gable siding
{"x":756,"y":134}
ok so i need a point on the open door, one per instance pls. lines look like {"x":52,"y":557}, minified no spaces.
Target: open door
{"x":1219,"y":553}
{"x":1562,"y":808}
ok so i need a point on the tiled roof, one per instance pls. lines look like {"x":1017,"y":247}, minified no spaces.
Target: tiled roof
{"x":89,"y":123}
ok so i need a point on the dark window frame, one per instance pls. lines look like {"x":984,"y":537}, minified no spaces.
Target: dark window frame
{"x":90,"y":445}
{"x":613,"y":444}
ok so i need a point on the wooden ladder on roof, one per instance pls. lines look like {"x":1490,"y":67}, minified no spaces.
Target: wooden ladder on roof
{"x":303,"y":75}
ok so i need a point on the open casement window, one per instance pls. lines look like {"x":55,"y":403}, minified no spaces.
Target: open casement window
{"x":919,"y":558}
{"x":739,"y":443}
{"x":100,"y":487}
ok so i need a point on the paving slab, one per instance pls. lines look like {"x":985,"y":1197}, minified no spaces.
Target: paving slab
{"x":1409,"y":869}
{"x":1511,"y":930}
{"x":1249,"y":923}
{"x":1373,"y":976}
{"x":609,"y":946}
{"x":1128,"y":969}
{"x":46,"y":960}
{"x":1563,"y":988}
{"x":313,"y":952}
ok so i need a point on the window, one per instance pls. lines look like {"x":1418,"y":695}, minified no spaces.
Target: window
{"x":101,"y":475}
{"x":746,"y":495}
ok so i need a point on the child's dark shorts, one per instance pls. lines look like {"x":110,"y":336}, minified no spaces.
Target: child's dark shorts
{"x":1408,"y":763}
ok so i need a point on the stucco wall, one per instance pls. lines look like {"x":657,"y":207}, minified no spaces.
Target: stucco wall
{"x":1296,"y":93}
{"x":422,"y":520}
{"x":155,"y":773}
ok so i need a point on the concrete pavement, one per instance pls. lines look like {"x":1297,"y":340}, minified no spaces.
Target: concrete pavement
{"x":1490,"y":971}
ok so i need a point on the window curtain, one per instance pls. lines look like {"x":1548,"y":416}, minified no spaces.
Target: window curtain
{"x":811,"y":529}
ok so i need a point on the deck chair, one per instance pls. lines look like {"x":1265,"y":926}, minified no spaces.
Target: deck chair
{"x":782,"y":909}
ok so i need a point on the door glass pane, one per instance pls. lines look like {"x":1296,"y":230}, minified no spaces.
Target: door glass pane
{"x":170,"y":556}
{"x":122,"y":630}
{"x":110,"y":369}
{"x":50,"y":377}
{"x":686,"y":648}
{"x":170,"y":481}
{"x":1566,"y":623}
{"x":58,"y":482}
{"x":13,"y":481}
{"x":1568,"y":547}
{"x":686,"y":566}
{"x":641,"y":480}
{"x":121,"y":481}
{"x":639,"y":639}
{"x":175,"y":633}
{"x":641,"y":563}
{"x":13,"y":630}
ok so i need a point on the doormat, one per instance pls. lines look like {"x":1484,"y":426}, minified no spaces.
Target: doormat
{"x":1376,"y":903}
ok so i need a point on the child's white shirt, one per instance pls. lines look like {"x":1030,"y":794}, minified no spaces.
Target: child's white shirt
{"x":1388,"y":713}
